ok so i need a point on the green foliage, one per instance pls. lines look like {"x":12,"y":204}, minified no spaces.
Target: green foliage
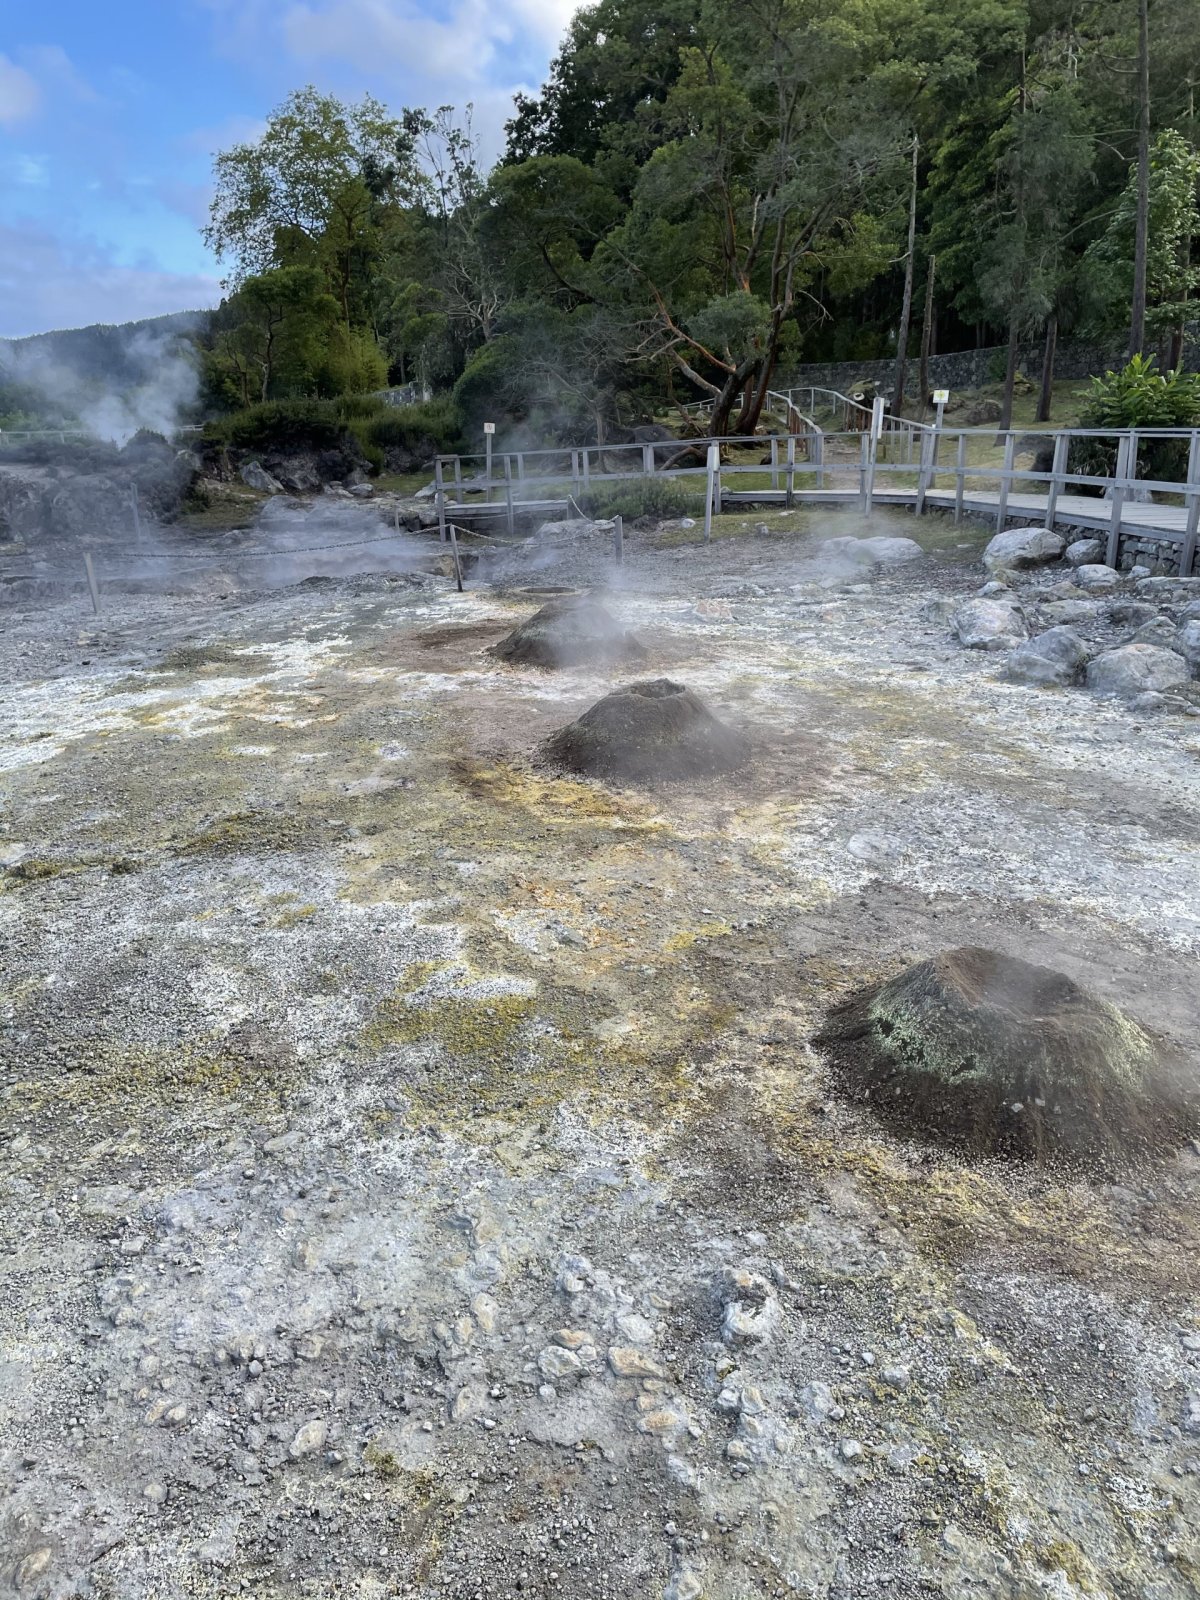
{"x":659,"y":498}
{"x":281,"y":425}
{"x":1139,"y":396}
{"x":286,"y":426}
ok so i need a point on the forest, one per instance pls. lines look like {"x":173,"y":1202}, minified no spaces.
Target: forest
{"x":705,"y":192}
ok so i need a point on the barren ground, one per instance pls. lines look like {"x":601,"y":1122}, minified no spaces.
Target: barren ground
{"x":416,"y":1177}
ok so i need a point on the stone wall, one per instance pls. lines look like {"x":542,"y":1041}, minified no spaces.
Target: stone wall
{"x":970,"y":369}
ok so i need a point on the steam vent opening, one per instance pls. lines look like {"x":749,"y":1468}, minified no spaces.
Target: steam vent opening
{"x":1002,"y":1057}
{"x":648,"y":732}
{"x":572,"y":632}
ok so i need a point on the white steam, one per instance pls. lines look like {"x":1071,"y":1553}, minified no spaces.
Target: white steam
{"x":162,"y":382}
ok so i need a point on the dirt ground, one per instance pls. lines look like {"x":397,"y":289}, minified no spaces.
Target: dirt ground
{"x":416,"y":1176}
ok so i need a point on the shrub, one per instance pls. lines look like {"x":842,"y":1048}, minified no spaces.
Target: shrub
{"x":1139,"y":396}
{"x":285,"y":425}
{"x":660,"y":498}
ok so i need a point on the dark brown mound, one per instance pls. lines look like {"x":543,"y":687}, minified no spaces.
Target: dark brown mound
{"x":992,"y":1053}
{"x":573,"y":632}
{"x":646,"y":733}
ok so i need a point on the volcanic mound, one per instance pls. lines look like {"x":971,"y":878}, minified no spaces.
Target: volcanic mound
{"x":572,"y":632}
{"x":1000,"y":1056}
{"x":648,"y":732}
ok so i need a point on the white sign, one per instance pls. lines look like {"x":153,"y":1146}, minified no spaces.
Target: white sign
{"x":489,"y":427}
{"x":940,"y":396}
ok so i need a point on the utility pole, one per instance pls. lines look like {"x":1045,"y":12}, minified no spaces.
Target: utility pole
{"x":1137,"y":321}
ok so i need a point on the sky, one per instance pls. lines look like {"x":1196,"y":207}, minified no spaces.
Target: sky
{"x":110,"y":115}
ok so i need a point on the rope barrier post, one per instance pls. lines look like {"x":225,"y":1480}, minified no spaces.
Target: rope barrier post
{"x":619,"y":540}
{"x":91,"y":578}
{"x":1187,"y":557}
{"x":1120,"y":489}
{"x":710,"y":491}
{"x":1058,"y":471}
{"x":457,"y":562}
{"x":1010,"y":444}
{"x":508,"y":492}
{"x":774,"y":464}
{"x":960,"y":477}
{"x":791,"y":471}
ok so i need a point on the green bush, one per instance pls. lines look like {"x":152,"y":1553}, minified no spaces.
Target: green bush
{"x":408,"y":427}
{"x":283,"y":425}
{"x":1139,"y":396}
{"x":660,"y":498}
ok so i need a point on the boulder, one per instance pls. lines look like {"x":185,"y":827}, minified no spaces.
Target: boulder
{"x":1169,"y":591}
{"x":983,"y":412}
{"x":362,"y":491}
{"x":1083,"y":553}
{"x":1190,"y":613}
{"x":297,"y":474}
{"x":1096,"y":577}
{"x":988,"y":625}
{"x":1131,"y":612}
{"x":1187,"y":642}
{"x":876,"y":551}
{"x":1160,"y":631}
{"x":1134,"y":669}
{"x":256,"y":476}
{"x":1055,"y":658}
{"x":1022,"y":547}
{"x":1058,"y":611}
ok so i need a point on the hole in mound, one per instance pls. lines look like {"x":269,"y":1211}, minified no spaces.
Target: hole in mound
{"x":574,"y":631}
{"x":997,"y":1055}
{"x":648,"y":732}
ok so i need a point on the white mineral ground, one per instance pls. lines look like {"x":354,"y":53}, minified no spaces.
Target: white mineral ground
{"x":415,"y":1176}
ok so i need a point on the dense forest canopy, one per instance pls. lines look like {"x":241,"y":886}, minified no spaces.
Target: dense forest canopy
{"x":705,"y":191}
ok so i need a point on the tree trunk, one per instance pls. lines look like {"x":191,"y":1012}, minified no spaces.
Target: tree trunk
{"x":1137,"y":320}
{"x":927,"y":334}
{"x":898,"y":381}
{"x":1047,"y":394}
{"x":1010,"y":375}
{"x":1175,"y":360}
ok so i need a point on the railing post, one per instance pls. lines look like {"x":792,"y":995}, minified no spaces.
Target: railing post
{"x":91,"y":579}
{"x":587,"y":470}
{"x":929,"y":444}
{"x":1187,"y":557}
{"x":575,"y":473}
{"x":508,"y":493}
{"x":960,"y":476}
{"x":619,"y":540}
{"x":866,"y":472}
{"x":1010,"y":444}
{"x":816,"y":455}
{"x":790,"y":500}
{"x":458,"y":484}
{"x":1058,"y":473}
{"x":718,"y":492}
{"x":439,"y":484}
{"x":1120,"y":486}
{"x":648,"y":460}
{"x":710,"y":490}
{"x":774,"y":463}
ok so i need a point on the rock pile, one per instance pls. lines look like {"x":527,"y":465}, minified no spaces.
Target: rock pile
{"x":1000,"y":1056}
{"x":572,"y":632}
{"x":648,"y":732}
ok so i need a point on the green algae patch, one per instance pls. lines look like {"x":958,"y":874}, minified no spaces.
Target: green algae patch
{"x":257,"y":832}
{"x":196,"y":657}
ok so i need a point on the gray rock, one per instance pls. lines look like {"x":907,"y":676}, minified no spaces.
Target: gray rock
{"x":1022,"y":547}
{"x":851,"y":1450}
{"x":1190,"y":613}
{"x":1054,"y":659}
{"x":257,"y":477}
{"x":1057,"y":611}
{"x":1169,"y":591}
{"x":627,"y":1362}
{"x":1097,"y":578}
{"x":1083,"y":553}
{"x":557,"y":1364}
{"x":309,"y":1439}
{"x":992,"y":588}
{"x":1132,"y":612}
{"x":1187,"y":642}
{"x":876,"y":551}
{"x":940,"y":609}
{"x":988,"y":625}
{"x":817,"y":1400}
{"x":361,"y":491}
{"x":1135,"y":669}
{"x":1148,"y":702}
{"x":1161,"y":632}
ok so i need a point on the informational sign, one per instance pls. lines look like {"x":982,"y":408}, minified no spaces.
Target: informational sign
{"x":941,"y":397}
{"x":489,"y":427}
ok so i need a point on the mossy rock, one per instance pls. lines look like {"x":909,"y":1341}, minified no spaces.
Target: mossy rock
{"x":573,"y":632}
{"x":983,"y":1050}
{"x":648,"y":732}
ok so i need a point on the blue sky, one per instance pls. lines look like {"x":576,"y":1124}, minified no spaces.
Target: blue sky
{"x":110,"y":114}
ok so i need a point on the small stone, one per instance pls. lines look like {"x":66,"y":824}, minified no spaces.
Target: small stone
{"x":571,"y":1338}
{"x":896,"y":1377}
{"x":34,"y":1566}
{"x":851,"y":1449}
{"x":559,"y":1364}
{"x":133,"y":1244}
{"x":309,"y":1439}
{"x":626,"y":1362}
{"x":486,"y":1313}
{"x":155,"y":1493}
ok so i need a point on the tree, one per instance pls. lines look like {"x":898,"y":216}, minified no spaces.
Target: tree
{"x":308,"y":191}
{"x":273,"y":334}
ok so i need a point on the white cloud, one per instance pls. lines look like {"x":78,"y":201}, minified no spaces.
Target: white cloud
{"x":20,"y":96}
{"x":48,"y":281}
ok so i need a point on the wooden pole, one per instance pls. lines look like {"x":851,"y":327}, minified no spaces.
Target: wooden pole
{"x":1010,"y":445}
{"x":619,"y":540}
{"x":1058,"y":473}
{"x":710,"y":491}
{"x":1187,"y":557}
{"x":791,"y":471}
{"x":457,"y":562}
{"x":91,"y":578}
{"x":508,"y":493}
{"x":960,"y":476}
{"x":439,"y":484}
{"x":774,"y":464}
{"x":137,"y":517}
{"x":1113,"y":552}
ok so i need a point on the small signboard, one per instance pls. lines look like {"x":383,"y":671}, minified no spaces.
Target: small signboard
{"x":489,"y":427}
{"x":941,"y":396}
